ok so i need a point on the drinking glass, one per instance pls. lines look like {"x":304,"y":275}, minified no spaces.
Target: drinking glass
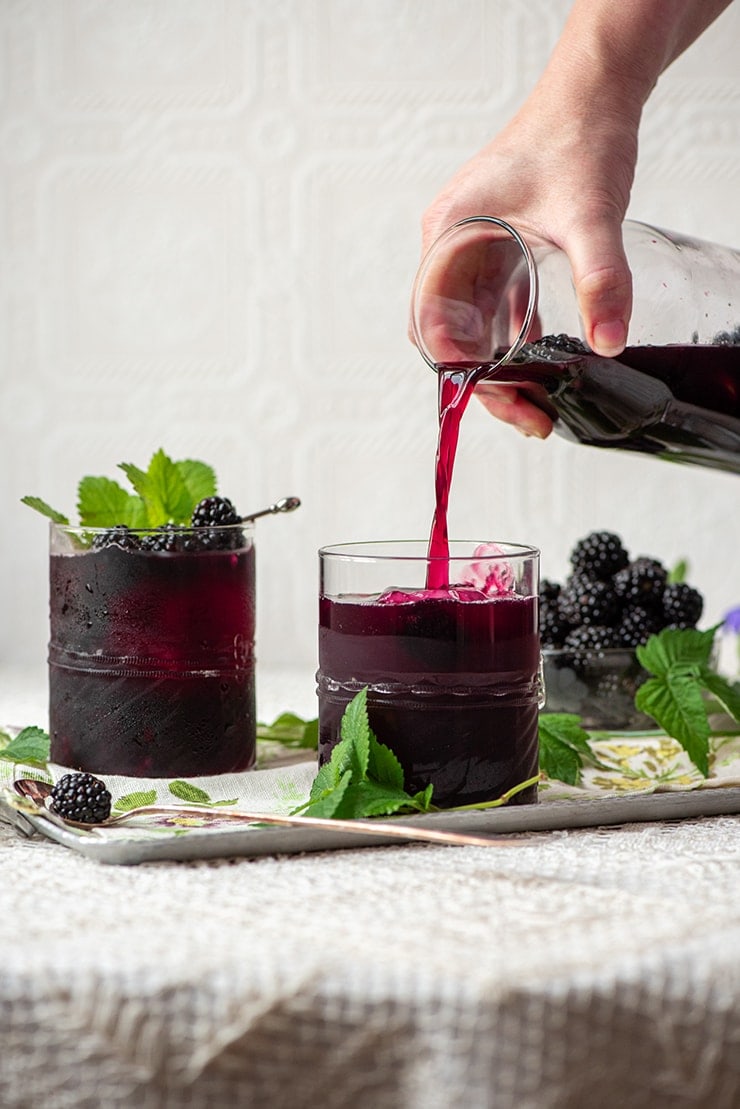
{"x":151,"y":653}
{"x":453,"y":673}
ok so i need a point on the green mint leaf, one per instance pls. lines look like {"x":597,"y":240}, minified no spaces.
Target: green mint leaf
{"x":727,"y":693}
{"x":163,"y":490}
{"x":687,"y":647}
{"x":327,"y":805}
{"x":382,"y":764}
{"x":30,"y":746}
{"x":45,"y":509}
{"x":355,"y":729}
{"x":199,"y":479}
{"x":135,"y":800}
{"x":676,"y":703}
{"x":327,"y":777}
{"x":291,"y":731}
{"x":559,"y":760}
{"x":103,"y":503}
{"x":422,"y":801}
{"x":188,"y":792}
{"x":564,"y":744}
{"x":367,"y":798}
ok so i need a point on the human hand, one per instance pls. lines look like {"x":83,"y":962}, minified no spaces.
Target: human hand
{"x":561,"y":171}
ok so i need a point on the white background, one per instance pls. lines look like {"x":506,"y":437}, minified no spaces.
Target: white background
{"x":209,"y":224}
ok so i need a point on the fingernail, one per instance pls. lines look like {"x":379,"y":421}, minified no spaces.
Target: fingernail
{"x":529,"y":432}
{"x":610,"y":337}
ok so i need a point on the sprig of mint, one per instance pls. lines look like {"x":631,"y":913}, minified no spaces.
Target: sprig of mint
{"x":165,"y":493}
{"x":363,"y":777}
{"x":680,"y":694}
{"x":30,"y":747}
{"x":292,"y":731}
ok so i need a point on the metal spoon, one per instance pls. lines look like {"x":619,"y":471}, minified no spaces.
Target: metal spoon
{"x":287,"y":504}
{"x":39,"y":792}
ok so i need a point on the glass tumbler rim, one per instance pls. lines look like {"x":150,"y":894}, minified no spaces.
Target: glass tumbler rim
{"x":387,"y":550}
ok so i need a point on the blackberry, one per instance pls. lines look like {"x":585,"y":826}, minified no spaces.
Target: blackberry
{"x":171,"y":538}
{"x":637,"y":625}
{"x":586,"y":600}
{"x":549,"y":590}
{"x":553,"y":625}
{"x":588,"y":640}
{"x":552,"y":347}
{"x":118,"y":536}
{"x":682,"y":605}
{"x":215,"y":517}
{"x":81,"y":797}
{"x":214,"y":512}
{"x":641,"y":582}
{"x":599,"y":555}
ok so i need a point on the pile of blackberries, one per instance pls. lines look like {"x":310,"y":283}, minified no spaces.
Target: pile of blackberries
{"x":610,"y":601}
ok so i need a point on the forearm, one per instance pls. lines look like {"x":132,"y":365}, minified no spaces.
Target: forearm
{"x":627,"y":43}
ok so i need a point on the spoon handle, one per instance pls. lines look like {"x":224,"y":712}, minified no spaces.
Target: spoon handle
{"x":377,"y":828}
{"x":287,"y":504}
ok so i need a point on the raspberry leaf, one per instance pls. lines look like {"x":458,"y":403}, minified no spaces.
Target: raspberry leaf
{"x":30,"y":747}
{"x":103,"y":503}
{"x":45,"y":509}
{"x":727,"y":693}
{"x":162,"y":489}
{"x":676,"y":703}
{"x":198,"y":478}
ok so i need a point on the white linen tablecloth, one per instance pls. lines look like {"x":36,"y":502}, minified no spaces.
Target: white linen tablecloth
{"x":586,"y":968}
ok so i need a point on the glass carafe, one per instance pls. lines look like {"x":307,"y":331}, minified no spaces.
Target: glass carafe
{"x":504,"y":306}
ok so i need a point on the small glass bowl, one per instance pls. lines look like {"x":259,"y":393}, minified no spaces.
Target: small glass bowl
{"x":600,"y":688}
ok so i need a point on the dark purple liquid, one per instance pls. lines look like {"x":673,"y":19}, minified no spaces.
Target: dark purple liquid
{"x":452,"y":688}
{"x":151,"y":664}
{"x":679,"y":402}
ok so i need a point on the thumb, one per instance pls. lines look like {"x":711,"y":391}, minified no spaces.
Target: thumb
{"x":603,"y":285}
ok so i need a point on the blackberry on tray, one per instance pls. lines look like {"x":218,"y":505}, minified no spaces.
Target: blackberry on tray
{"x":81,"y":797}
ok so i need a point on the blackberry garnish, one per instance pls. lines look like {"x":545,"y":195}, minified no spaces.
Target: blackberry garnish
{"x":586,"y":600}
{"x":81,"y":797}
{"x":599,"y":555}
{"x":214,"y":512}
{"x":682,"y":605}
{"x":118,"y":536}
{"x":641,"y":582}
{"x":171,"y":538}
{"x":212,"y":515}
{"x":638,"y":624}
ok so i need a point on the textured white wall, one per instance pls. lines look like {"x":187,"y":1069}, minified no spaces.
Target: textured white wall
{"x":209,"y":224}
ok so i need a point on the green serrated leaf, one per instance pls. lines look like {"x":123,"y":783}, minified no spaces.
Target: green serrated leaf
{"x":559,"y":760}
{"x":199,"y":479}
{"x":327,"y":778}
{"x":383,"y":765}
{"x":423,"y":800}
{"x":326,"y":806}
{"x":688,"y":647}
{"x":103,"y":503}
{"x":30,"y":746}
{"x":135,"y":800}
{"x":355,"y":729}
{"x":45,"y":509}
{"x":368,"y":798}
{"x":186,"y":791}
{"x":163,"y":490}
{"x":291,"y":731}
{"x":676,"y":703}
{"x":566,"y":727}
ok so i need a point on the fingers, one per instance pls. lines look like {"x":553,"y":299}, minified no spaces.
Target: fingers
{"x":603,"y":285}
{"x":506,"y":403}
